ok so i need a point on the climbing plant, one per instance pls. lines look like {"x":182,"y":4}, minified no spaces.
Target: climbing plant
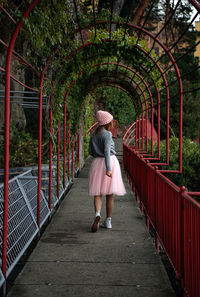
{"x":88,"y":119}
{"x":191,"y":162}
{"x":118,"y":103}
{"x":44,"y":36}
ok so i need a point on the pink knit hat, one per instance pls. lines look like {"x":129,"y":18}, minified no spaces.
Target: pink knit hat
{"x":103,"y":117}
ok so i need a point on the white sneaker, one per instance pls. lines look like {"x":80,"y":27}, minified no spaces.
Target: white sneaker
{"x":106,"y":224}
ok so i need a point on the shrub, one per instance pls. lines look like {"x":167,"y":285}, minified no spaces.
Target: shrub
{"x":191,"y":162}
{"x":23,"y":149}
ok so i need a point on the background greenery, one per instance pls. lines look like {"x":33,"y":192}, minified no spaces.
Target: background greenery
{"x":191,"y":161}
{"x":44,"y":35}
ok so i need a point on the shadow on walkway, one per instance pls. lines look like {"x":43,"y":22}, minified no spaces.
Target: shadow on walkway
{"x":71,"y":261}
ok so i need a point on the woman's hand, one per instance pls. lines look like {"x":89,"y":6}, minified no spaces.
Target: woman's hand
{"x":109,"y":173}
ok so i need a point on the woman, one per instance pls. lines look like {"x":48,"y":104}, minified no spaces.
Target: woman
{"x":105,"y":174}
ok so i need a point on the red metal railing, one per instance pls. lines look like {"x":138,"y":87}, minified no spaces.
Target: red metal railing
{"x":174,"y":215}
{"x":172,"y":212}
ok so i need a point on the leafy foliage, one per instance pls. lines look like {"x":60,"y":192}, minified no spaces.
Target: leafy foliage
{"x":88,"y":121}
{"x":23,"y":149}
{"x":191,"y":162}
{"x":117,"y":103}
{"x":44,"y":36}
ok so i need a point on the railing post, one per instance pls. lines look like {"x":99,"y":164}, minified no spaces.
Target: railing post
{"x":50,"y":146}
{"x":69,"y":151}
{"x":155,"y":206}
{"x":147,"y":184}
{"x":73,"y":159}
{"x":64,"y":144}
{"x":76,"y":155}
{"x":58,"y":160}
{"x":181,"y":243}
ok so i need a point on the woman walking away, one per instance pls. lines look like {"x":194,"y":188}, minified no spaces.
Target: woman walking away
{"x":105,"y":174}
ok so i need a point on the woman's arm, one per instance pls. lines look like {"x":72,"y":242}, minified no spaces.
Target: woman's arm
{"x":90,"y":146}
{"x":107,"y":147}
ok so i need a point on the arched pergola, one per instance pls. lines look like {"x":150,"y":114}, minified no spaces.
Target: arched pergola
{"x":150,"y":94}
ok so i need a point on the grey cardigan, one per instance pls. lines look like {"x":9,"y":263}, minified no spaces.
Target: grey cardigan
{"x":102,"y":145}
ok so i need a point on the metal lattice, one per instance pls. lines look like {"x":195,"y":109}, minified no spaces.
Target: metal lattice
{"x":30,"y":185}
{"x":2,"y":279}
{"x":22,"y":226}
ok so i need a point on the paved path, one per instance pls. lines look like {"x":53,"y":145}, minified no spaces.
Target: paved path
{"x":71,"y":261}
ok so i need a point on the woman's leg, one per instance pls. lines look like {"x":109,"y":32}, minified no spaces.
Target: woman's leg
{"x":109,"y":205}
{"x":97,"y":204}
{"x":97,"y":208}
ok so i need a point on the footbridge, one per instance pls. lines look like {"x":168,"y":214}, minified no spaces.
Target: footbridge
{"x":55,"y":57}
{"x":70,"y":260}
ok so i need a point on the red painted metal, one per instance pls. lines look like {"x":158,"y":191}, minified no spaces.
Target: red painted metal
{"x":6,"y":135}
{"x":58,"y":160}
{"x":167,"y":98}
{"x":142,"y":93}
{"x":195,"y":4}
{"x":19,"y":82}
{"x":40,"y":142}
{"x":139,"y":136}
{"x":137,"y":85}
{"x":79,"y":148}
{"x":191,"y":246}
{"x":126,"y":134}
{"x":64,"y":144}
{"x":136,"y":132}
{"x":50,"y":144}
{"x":90,"y":128}
{"x":69,"y":150}
{"x":131,"y":139}
{"x":72,"y":159}
{"x":21,"y":59}
{"x":127,"y":140}
{"x":132,"y":71}
{"x":162,"y":75}
{"x":64,"y":135}
{"x":173,"y":214}
{"x":76,"y":154}
{"x":193,"y":193}
{"x":189,"y":210}
{"x":145,"y":100}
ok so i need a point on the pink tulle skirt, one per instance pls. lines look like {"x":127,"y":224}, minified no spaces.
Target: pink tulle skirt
{"x":100,"y":183}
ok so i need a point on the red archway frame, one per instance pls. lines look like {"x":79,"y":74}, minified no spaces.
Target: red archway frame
{"x":6,"y":137}
{"x":39,"y":163}
{"x":167,"y":90}
{"x":146,"y":103}
{"x":150,"y":96}
{"x":65,"y":99}
{"x":40,"y":119}
{"x":167,"y":99}
{"x":7,"y":102}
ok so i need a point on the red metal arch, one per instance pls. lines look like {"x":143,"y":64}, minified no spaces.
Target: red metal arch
{"x":150,"y":96}
{"x":142,"y":92}
{"x":6,"y":137}
{"x":65,"y":99}
{"x":167,"y":100}
{"x":179,"y":197}
{"x":7,"y":101}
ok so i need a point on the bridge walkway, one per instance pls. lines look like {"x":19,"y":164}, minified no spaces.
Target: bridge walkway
{"x":70,"y":261}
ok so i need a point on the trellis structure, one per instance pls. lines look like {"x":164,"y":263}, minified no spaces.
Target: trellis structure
{"x":175,"y":229}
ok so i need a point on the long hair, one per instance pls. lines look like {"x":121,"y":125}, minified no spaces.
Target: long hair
{"x":108,"y":127}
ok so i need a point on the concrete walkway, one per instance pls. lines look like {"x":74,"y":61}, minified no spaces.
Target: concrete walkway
{"x":71,"y":261}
